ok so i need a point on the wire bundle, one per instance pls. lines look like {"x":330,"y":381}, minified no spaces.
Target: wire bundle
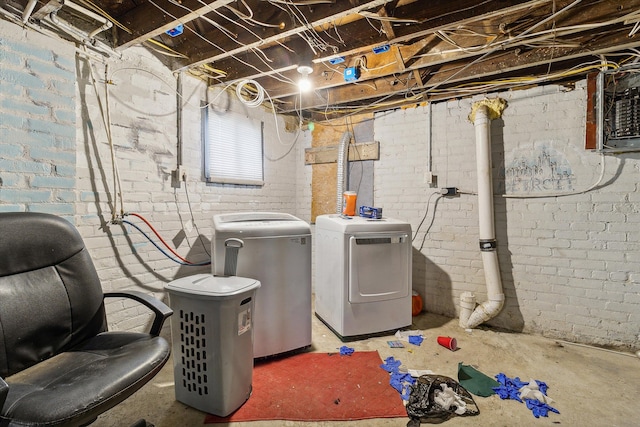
{"x":180,"y":260}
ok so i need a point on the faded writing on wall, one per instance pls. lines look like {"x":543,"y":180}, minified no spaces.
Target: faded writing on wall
{"x":538,"y":169}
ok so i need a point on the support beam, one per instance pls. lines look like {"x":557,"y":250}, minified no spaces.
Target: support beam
{"x":242,"y":62}
{"x":449,"y":76}
{"x":145,"y":21}
{"x":359,"y":151}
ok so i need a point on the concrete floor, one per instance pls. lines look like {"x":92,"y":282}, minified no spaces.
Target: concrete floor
{"x":590,"y":386}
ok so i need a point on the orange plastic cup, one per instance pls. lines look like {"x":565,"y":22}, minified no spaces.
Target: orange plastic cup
{"x":349,"y":203}
{"x":448,"y":342}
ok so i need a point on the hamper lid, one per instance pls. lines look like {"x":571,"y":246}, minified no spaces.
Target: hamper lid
{"x":212,"y":286}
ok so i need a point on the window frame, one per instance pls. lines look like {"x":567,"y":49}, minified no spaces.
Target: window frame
{"x":239,"y":123}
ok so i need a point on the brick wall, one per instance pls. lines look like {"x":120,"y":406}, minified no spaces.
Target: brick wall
{"x":37,"y":125}
{"x":568,"y":263}
{"x":144,"y":126}
{"x":55,"y":157}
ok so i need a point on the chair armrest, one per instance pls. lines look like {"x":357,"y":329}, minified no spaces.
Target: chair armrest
{"x":160,"y":309}
{"x":4,"y":390}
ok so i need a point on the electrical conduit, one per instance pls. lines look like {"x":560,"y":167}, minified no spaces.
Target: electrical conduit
{"x":471,"y":315}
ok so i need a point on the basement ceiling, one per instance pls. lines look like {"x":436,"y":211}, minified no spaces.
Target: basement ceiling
{"x":365,"y":55}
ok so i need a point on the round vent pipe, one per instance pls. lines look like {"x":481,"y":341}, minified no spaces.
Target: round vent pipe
{"x":471,"y":315}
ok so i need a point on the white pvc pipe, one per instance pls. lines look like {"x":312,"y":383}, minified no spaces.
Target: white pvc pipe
{"x":28,"y":10}
{"x":97,"y":31}
{"x":467,"y":305}
{"x":483,"y":164}
{"x":495,"y":296}
{"x":68,"y":28}
{"x":86,"y":12}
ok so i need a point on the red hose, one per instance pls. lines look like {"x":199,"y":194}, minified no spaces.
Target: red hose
{"x":159,"y":237}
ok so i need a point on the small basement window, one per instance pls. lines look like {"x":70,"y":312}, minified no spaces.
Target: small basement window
{"x":233,"y":146}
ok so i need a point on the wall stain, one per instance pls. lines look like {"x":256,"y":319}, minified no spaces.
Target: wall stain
{"x":139,"y":135}
{"x":541,"y":170}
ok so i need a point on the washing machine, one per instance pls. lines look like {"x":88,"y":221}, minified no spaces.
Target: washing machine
{"x":274,"y":248}
{"x":362,"y":275}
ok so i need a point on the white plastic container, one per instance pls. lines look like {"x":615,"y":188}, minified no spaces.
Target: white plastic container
{"x":212,"y":341}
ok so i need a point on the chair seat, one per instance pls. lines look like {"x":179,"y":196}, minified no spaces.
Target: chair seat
{"x":88,"y":380}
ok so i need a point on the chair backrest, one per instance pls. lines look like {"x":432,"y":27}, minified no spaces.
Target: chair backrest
{"x":50,"y":294}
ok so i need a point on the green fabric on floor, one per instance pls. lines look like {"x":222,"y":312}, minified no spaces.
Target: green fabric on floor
{"x":475,"y":381}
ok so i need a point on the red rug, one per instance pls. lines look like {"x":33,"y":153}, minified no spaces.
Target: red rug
{"x":319,"y":387}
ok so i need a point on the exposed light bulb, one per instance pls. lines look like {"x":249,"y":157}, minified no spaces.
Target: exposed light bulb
{"x":304,"y":69}
{"x":304,"y":84}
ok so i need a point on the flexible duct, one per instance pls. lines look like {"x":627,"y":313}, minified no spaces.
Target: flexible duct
{"x":481,"y":115}
{"x":343,"y":150}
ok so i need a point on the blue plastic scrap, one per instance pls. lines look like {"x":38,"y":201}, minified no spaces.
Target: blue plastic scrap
{"x":346,"y":351}
{"x":175,"y":31}
{"x":391,"y":365}
{"x":542,"y":386}
{"x":400,"y":381}
{"x":381,"y":49}
{"x":510,"y":389}
{"x":540,"y":409}
{"x":415,"y":339}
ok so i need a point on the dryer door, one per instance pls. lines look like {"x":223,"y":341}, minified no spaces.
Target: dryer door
{"x":379,"y":267}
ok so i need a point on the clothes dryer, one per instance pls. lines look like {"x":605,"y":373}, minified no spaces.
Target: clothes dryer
{"x":362,"y":275}
{"x":276,"y":250}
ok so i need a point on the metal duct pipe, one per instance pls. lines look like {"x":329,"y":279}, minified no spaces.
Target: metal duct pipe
{"x":481,"y":115}
{"x":343,"y":158}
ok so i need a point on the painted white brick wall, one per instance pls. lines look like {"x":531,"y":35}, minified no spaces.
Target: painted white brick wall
{"x":143,"y":122}
{"x":569,"y":264}
{"x":142,"y":106}
{"x":37,"y":124}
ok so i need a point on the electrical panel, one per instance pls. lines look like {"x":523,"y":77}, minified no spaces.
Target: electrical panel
{"x":618,"y":110}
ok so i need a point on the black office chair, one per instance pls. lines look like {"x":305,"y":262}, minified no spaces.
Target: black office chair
{"x":59,"y":366}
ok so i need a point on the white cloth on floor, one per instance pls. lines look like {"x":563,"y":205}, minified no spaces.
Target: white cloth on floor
{"x":532,"y":391}
{"x":447,"y":398}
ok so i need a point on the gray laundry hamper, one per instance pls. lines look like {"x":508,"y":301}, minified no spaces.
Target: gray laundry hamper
{"x":212,"y":340}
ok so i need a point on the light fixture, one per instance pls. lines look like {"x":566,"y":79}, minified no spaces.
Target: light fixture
{"x":304,"y":83}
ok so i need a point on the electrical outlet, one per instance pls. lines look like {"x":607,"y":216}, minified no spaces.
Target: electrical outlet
{"x":176,"y":177}
{"x":431,"y":179}
{"x":449,"y":191}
